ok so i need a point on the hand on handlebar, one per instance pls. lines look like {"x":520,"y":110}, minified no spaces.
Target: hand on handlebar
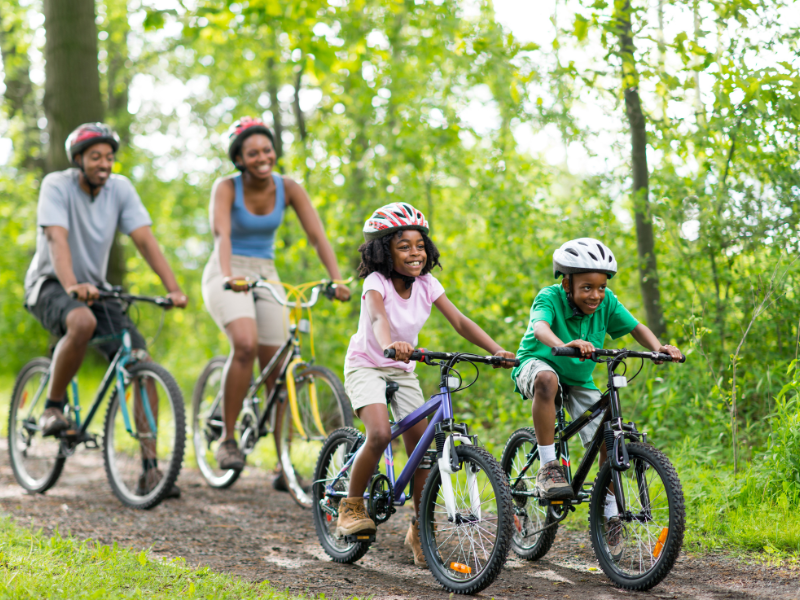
{"x":178,"y":299}
{"x":237,"y":284}
{"x":672,"y":351}
{"x":586,"y":348}
{"x":84,"y":291}
{"x":402,"y":350}
{"x":504,"y":354}
{"x":341,"y":293}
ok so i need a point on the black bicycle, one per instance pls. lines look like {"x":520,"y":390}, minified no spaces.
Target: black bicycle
{"x":144,"y":430}
{"x":307,"y":402}
{"x":637,"y":548}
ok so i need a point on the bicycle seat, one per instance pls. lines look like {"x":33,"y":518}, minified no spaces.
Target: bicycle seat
{"x":391,"y":388}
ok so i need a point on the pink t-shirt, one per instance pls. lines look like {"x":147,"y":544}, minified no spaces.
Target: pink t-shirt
{"x":406,"y":318}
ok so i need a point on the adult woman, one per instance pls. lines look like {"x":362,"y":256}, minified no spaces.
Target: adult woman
{"x":245,"y":211}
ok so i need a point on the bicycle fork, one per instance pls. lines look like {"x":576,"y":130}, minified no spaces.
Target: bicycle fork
{"x":448,"y":465}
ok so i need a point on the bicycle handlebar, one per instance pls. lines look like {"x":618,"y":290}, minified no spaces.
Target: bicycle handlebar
{"x":161,"y":301}
{"x":421,"y":354}
{"x":327,"y":288}
{"x":576,"y":353}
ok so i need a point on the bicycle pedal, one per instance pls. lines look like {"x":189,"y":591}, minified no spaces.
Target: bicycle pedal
{"x":91,"y":444}
{"x":360,"y":538}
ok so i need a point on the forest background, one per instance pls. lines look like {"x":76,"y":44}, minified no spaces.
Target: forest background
{"x":669,"y":130}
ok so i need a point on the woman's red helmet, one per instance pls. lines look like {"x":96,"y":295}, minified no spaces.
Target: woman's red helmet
{"x":240,"y":131}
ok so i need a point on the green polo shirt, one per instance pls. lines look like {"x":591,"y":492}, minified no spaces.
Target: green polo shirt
{"x":551,"y":305}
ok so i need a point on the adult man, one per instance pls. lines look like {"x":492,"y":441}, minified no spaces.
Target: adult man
{"x":78,"y":214}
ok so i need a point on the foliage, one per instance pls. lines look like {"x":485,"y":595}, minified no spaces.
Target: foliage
{"x":34,"y":566}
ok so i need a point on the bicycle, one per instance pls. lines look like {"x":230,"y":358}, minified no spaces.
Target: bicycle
{"x":154,"y":436}
{"x":466,"y":514}
{"x":637,"y":549}
{"x":314,"y":395}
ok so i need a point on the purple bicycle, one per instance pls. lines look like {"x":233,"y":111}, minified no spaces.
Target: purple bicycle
{"x":466,"y":514}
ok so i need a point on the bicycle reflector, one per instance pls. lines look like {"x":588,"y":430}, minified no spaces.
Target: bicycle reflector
{"x":517,"y":524}
{"x":461,"y":568}
{"x":662,"y":539}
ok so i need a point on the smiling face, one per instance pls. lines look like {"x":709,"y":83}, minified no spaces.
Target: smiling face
{"x":258,"y":156}
{"x":97,"y":161}
{"x":588,"y":290}
{"x":408,"y":252}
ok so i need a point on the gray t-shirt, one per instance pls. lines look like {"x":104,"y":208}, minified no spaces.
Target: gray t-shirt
{"x":91,"y":225}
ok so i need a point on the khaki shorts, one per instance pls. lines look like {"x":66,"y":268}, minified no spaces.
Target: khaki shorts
{"x":226,"y":306}
{"x":578,"y":401}
{"x":367,"y":385}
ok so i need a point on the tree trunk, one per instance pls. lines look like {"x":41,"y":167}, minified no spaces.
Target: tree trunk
{"x":274,"y":104}
{"x":72,"y":82}
{"x":645,"y":238}
{"x":20,"y":99}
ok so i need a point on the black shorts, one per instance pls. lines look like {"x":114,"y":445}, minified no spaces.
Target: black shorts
{"x":54,"y":304}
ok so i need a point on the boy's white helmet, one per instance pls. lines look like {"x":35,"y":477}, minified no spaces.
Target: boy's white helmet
{"x":584,"y":255}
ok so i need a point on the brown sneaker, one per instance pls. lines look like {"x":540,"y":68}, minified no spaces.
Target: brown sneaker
{"x":551,"y":482}
{"x":412,"y":542}
{"x":52,"y":421}
{"x":149,"y":480}
{"x":353,"y":518}
{"x":229,"y":456}
{"x":614,"y":539}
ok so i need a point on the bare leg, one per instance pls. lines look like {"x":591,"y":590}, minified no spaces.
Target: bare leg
{"x":238,"y":372}
{"x":545,"y":388}
{"x":70,"y":350}
{"x":410,"y":440}
{"x":376,"y":420}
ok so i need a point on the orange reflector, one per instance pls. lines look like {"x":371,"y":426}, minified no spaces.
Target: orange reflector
{"x":517,"y":524}
{"x":24,"y":398}
{"x":362,"y":537}
{"x":556,"y":502}
{"x":328,"y":517}
{"x":662,"y":539}
{"x":461,"y":568}
{"x":127,"y":395}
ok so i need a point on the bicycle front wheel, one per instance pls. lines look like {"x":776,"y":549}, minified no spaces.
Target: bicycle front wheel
{"x":37,"y":461}
{"x":207,"y":425}
{"x":143,"y":456}
{"x":465,"y":551}
{"x":534,"y":529}
{"x":638,"y":548}
{"x":322,"y":407}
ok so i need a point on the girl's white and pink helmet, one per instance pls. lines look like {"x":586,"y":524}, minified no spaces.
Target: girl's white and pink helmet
{"x":394,"y":217}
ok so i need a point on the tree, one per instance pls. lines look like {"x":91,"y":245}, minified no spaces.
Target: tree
{"x":72,"y":81}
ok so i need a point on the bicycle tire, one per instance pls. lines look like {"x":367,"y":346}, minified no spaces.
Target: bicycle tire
{"x":18,"y":437}
{"x":641,"y":455}
{"x":331,"y":460}
{"x":295,"y":452}
{"x":205,"y":434}
{"x":431,"y":530}
{"x":117,"y":459}
{"x":530,"y":515}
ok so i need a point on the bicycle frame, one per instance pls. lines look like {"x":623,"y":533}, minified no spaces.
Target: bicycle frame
{"x":114,"y":375}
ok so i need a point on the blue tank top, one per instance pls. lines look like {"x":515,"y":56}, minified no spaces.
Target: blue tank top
{"x":254,"y":235}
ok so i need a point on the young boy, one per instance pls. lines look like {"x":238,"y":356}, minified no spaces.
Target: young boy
{"x":578,"y":313}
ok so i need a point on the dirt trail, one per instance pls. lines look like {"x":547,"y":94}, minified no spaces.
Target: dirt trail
{"x":258,"y":534}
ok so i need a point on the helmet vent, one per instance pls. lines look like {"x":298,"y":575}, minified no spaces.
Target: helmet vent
{"x":593,"y":256}
{"x":583,"y":243}
{"x":600,"y":249}
{"x":571,"y":251}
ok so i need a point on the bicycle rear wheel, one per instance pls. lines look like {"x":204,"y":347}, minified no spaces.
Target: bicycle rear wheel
{"x":335,"y":453}
{"x":207,"y":425}
{"x":298,"y":450}
{"x":520,"y":463}
{"x":639,"y":548}
{"x":466,"y":554}
{"x":37,"y":461}
{"x":142,"y":465}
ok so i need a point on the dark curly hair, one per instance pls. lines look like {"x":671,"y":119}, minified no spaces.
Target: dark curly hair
{"x":376,"y":256}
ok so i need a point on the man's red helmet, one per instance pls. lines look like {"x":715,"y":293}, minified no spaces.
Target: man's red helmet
{"x":87,"y":135}
{"x":240,"y":131}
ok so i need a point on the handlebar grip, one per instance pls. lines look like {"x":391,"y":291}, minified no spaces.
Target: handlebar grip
{"x":73,"y":295}
{"x":392,"y":353}
{"x":498,"y":360}
{"x":227,"y":285}
{"x":564,"y":351}
{"x":668,"y":358}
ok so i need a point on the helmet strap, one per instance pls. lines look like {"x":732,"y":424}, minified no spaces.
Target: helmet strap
{"x":92,"y":187}
{"x":576,"y":311}
{"x":408,"y":280}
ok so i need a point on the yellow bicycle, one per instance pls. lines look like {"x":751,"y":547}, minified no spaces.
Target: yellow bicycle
{"x":314,"y":395}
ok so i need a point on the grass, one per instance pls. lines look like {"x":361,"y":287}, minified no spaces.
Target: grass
{"x":39,"y":567}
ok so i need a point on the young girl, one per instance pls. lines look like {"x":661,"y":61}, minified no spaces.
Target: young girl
{"x":396,"y":261}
